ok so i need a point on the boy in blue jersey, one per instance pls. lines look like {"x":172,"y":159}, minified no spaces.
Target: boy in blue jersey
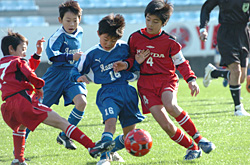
{"x":63,"y":50}
{"x":116,"y":98}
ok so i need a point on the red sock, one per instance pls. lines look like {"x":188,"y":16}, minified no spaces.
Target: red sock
{"x":75,"y":133}
{"x":19,"y":144}
{"x":182,"y":139}
{"x":187,"y":124}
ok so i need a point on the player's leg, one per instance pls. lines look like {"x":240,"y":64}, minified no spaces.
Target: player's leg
{"x":77,"y":93}
{"x":19,"y":145}
{"x":169,"y":100}
{"x":73,"y":132}
{"x":212,"y":72}
{"x":160,"y":115}
{"x":235,"y":88}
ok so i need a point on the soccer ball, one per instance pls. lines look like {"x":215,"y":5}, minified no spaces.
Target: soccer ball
{"x":138,"y":142}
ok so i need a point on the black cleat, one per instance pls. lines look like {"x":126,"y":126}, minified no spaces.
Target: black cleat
{"x":67,"y":142}
{"x":101,"y":147}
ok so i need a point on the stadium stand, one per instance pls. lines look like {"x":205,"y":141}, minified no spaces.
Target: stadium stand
{"x":43,"y":13}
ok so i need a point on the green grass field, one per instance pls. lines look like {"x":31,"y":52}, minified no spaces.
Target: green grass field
{"x":211,"y":111}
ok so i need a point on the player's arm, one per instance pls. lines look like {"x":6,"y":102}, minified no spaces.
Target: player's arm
{"x":185,"y":70}
{"x":82,"y":67}
{"x":34,"y":61}
{"x":207,"y":7}
{"x":30,"y":75}
{"x":54,"y":54}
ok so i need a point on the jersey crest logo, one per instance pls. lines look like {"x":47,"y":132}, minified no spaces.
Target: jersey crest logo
{"x":65,"y":42}
{"x":98,"y":60}
{"x":245,"y":7}
{"x":150,"y":47}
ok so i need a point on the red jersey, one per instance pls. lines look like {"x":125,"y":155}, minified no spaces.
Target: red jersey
{"x":16,"y":75}
{"x":162,"y":47}
{"x":34,"y":61}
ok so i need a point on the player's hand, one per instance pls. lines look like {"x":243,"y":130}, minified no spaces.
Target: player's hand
{"x":83,"y":78}
{"x":203,"y":35}
{"x":119,"y":66}
{"x":76,"y":56}
{"x":142,"y":56}
{"x":194,"y":87}
{"x":39,"y":46}
{"x":38,"y":94}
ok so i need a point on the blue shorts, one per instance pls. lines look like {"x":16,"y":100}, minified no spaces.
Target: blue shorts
{"x":120,"y":101}
{"x":57,"y":84}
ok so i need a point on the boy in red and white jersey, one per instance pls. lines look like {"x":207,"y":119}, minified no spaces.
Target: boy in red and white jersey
{"x":159,"y":55}
{"x":21,"y":111}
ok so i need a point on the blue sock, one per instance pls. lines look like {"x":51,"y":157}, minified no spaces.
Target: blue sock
{"x":248,"y":71}
{"x":74,"y":118}
{"x":119,"y":143}
{"x":106,"y":136}
{"x":27,"y":133}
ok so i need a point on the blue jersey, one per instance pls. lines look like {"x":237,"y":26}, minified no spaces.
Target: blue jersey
{"x":64,"y":44}
{"x":97,"y":64}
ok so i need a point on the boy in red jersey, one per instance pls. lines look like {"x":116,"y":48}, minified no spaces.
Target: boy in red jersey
{"x":158,"y":83}
{"x":20,"y":110}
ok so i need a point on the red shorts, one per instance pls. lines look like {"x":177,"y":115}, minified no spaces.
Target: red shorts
{"x":18,"y":109}
{"x":151,"y":87}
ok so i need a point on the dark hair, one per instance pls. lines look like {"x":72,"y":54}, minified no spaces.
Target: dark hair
{"x":161,"y":9}
{"x":13,"y":39}
{"x":113,"y":25}
{"x":72,"y":6}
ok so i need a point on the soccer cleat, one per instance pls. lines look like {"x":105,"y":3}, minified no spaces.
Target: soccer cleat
{"x":240,"y":111}
{"x":103,"y":162}
{"x":101,"y":147}
{"x":248,"y":83}
{"x":16,"y":162}
{"x":225,"y":82}
{"x":193,"y":154}
{"x":206,"y":146}
{"x":114,"y":156}
{"x":67,"y":142}
{"x":207,"y":78}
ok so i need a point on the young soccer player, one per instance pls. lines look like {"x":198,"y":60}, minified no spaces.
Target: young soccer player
{"x":116,"y":99}
{"x":158,"y":83}
{"x":233,"y":45}
{"x":21,"y":110}
{"x":63,"y":49}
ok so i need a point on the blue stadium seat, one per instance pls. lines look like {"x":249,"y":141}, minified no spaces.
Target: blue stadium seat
{"x":132,"y":3}
{"x":197,"y":2}
{"x":100,"y":3}
{"x":85,"y":4}
{"x":90,"y":19}
{"x":5,"y":22}
{"x":19,"y":21}
{"x":10,"y":5}
{"x":37,"y":21}
{"x":116,"y":3}
{"x":27,"y":5}
{"x":180,"y":2}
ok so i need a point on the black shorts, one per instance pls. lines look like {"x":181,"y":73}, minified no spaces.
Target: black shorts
{"x":233,"y":44}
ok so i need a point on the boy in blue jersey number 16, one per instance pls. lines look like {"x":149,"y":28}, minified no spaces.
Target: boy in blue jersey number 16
{"x":116,"y":98}
{"x":63,"y":49}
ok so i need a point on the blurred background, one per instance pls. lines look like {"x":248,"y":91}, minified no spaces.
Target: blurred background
{"x":39,"y":18}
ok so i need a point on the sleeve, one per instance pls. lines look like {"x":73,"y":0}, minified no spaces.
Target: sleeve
{"x":80,"y":68}
{"x":132,"y":51}
{"x":30,"y":75}
{"x":34,"y":61}
{"x":207,"y":7}
{"x":53,"y":50}
{"x":186,"y":71}
{"x":182,"y":65}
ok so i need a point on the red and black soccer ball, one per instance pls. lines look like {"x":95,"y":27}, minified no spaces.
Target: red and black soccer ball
{"x":138,"y":142}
